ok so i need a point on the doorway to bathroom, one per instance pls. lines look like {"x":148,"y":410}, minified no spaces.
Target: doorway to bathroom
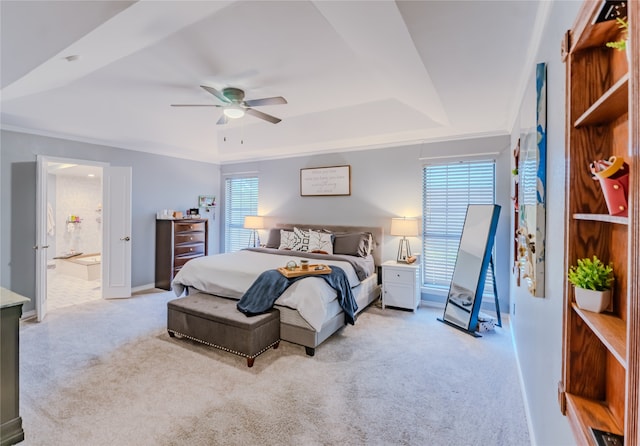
{"x":113,"y":216}
{"x":74,"y":233}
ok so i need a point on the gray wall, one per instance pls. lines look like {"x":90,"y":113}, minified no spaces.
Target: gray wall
{"x":159,"y":182}
{"x":385,"y":183}
{"x":537,"y":322}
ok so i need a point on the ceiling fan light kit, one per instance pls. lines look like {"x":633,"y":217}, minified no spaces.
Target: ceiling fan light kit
{"x":233,"y":112}
{"x":234,"y":106}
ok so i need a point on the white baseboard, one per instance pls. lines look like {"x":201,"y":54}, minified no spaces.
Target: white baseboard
{"x":28,"y":315}
{"x":527,"y":409}
{"x":146,"y":287}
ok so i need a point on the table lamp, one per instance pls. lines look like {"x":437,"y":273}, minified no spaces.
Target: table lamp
{"x":254,"y":222}
{"x":406,"y":227}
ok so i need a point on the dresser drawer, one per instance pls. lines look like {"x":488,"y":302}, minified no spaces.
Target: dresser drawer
{"x":189,"y":238}
{"x":189,"y":227}
{"x":399,"y":275}
{"x":197,"y":248}
{"x":179,"y":261}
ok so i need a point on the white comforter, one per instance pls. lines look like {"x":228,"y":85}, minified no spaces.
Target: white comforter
{"x":231,"y":274}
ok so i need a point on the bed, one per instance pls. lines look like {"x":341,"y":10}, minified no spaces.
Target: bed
{"x":309,"y":310}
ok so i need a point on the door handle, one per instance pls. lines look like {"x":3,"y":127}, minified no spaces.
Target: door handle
{"x":126,"y":239}
{"x":38,"y":247}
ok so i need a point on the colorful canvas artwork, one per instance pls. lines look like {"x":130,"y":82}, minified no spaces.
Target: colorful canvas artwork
{"x":532,"y":182}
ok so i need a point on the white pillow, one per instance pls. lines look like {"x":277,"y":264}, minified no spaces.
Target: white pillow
{"x":320,"y":241}
{"x":300,"y":240}
{"x":286,"y":239}
{"x":306,"y":241}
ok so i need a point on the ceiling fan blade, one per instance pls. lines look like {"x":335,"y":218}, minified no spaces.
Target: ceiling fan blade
{"x":223,"y":120}
{"x":196,"y":105}
{"x":216,"y":93}
{"x":265,"y":101}
{"x":259,"y":114}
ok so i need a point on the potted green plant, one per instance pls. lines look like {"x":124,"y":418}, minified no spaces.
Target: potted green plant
{"x":592,"y":280}
{"x":622,"y":43}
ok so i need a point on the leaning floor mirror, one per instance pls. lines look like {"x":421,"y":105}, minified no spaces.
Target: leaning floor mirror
{"x":470,"y":271}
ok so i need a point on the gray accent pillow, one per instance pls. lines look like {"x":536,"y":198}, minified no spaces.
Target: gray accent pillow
{"x":352,"y":243}
{"x":274,"y":238}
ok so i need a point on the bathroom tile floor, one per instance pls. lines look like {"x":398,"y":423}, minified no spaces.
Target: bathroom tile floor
{"x":64,"y":290}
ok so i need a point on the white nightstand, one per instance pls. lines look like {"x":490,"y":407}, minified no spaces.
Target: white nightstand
{"x":400,"y":285}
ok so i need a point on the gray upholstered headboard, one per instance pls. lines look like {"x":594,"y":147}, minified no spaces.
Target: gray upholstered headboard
{"x":378,"y":234}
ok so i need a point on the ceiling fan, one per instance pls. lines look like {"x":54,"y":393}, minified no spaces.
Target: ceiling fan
{"x":234,"y":106}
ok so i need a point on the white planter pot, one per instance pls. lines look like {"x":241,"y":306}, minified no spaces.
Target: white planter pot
{"x":596,"y":301}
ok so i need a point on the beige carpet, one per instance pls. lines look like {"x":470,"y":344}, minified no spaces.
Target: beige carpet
{"x":107,"y":373}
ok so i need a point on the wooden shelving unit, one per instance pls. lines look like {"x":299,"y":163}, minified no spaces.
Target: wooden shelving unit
{"x":610,"y":330}
{"x":611,"y":105}
{"x":600,"y":384}
{"x":603,"y":217}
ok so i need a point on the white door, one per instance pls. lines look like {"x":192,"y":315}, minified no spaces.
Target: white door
{"x":41,"y":238}
{"x":116,"y":259}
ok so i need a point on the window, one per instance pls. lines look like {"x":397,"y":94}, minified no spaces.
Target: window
{"x":447,"y":189}
{"x":241,"y":199}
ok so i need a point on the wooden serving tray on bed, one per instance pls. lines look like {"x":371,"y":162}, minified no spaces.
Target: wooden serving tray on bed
{"x":312,"y":271}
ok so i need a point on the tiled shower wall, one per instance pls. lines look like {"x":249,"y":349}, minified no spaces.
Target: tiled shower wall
{"x":81,"y":196}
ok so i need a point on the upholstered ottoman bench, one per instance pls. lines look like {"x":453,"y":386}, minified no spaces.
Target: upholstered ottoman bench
{"x":215,"y":321}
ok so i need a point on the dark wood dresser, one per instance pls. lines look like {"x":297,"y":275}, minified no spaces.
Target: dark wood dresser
{"x":11,"y":431}
{"x":177,"y":242}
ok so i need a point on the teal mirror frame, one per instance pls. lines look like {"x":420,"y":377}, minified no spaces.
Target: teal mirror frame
{"x":467,"y":285}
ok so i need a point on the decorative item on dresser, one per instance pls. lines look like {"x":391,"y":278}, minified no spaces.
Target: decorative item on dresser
{"x":177,"y":242}
{"x":599,"y":389}
{"x":400,"y":285}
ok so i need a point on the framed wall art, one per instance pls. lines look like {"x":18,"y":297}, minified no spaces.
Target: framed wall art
{"x":532,"y":185}
{"x":206,"y":201}
{"x":325,"y":181}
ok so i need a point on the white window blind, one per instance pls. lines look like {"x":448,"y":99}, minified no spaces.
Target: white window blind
{"x":241,"y":199}
{"x":447,"y":189}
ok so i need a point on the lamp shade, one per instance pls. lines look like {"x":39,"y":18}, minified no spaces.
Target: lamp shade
{"x":253,"y":222}
{"x":233,"y":111}
{"x":406,"y":227}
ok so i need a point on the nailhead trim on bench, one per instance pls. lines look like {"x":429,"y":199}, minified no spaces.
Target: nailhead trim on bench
{"x":225,"y":348}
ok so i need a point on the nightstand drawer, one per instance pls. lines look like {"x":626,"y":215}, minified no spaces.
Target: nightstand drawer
{"x":399,"y":275}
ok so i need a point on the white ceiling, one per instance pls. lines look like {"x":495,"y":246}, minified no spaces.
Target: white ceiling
{"x":356,"y":74}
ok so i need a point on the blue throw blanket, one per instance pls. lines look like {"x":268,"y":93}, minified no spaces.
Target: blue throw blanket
{"x":271,"y":284}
